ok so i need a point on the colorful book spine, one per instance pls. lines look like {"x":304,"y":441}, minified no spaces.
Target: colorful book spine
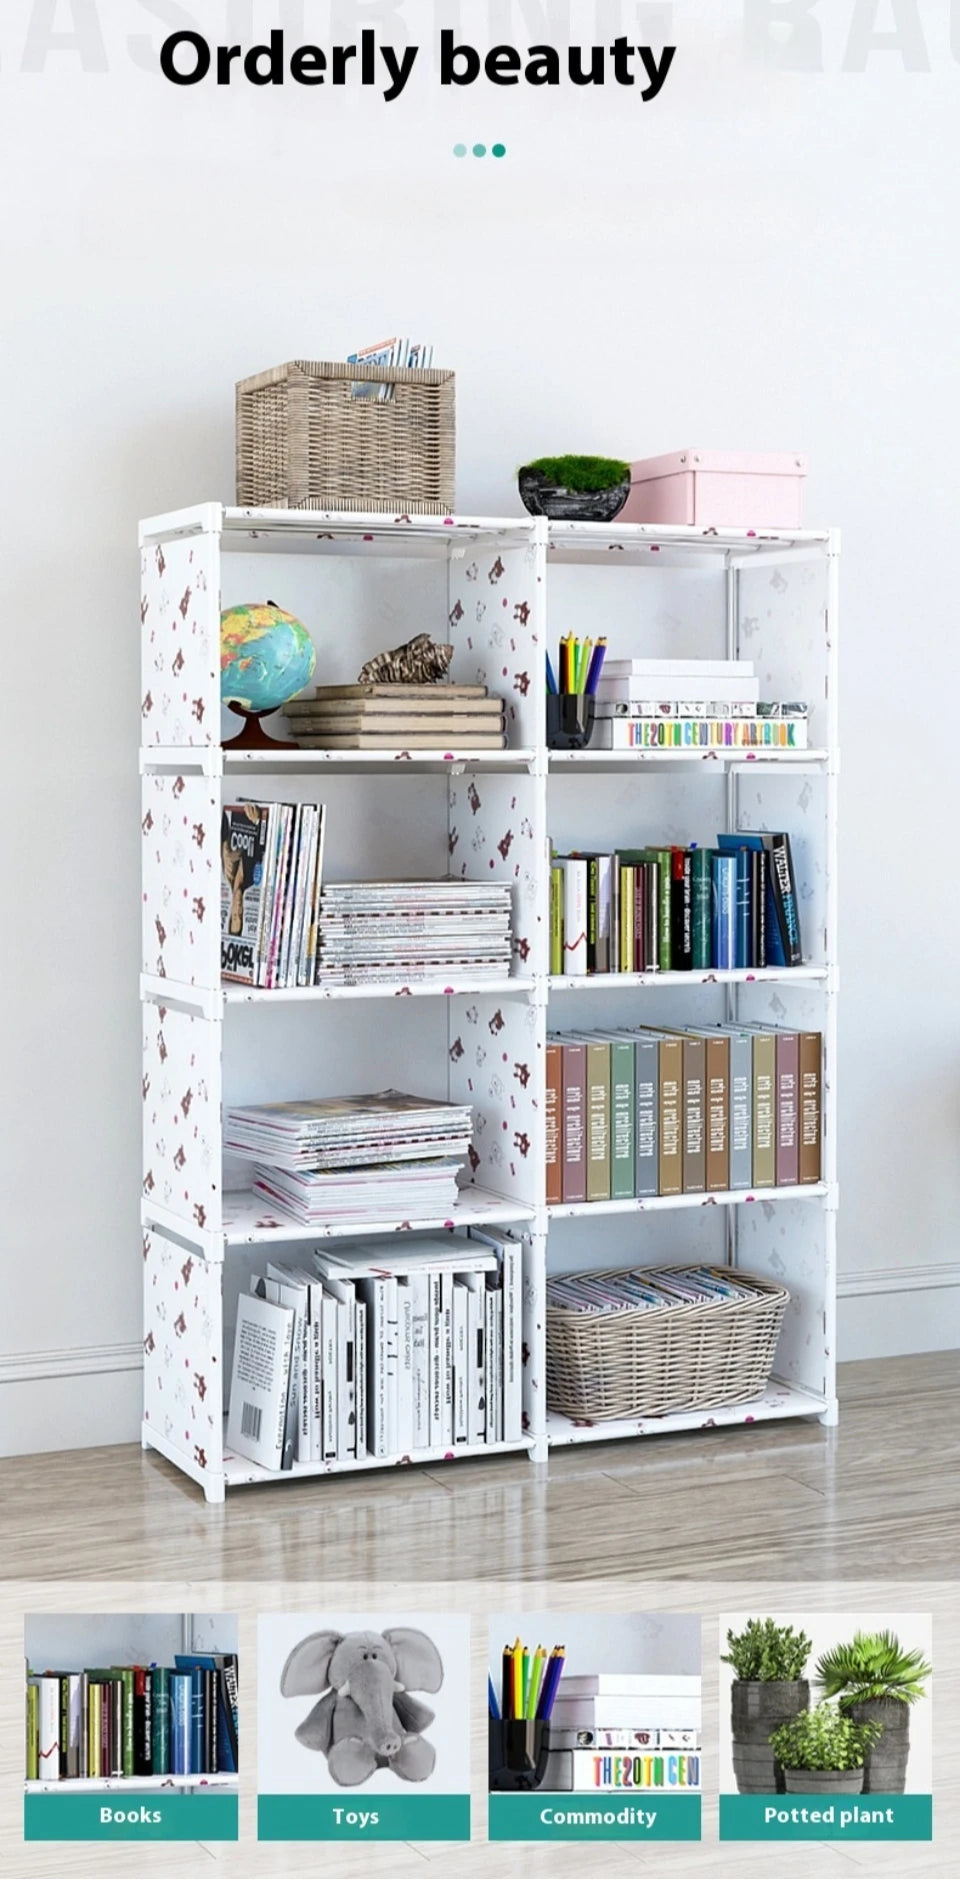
{"x":646,"y":1054}
{"x":811,"y":1101}
{"x":670,"y":1122}
{"x":742,"y":915}
{"x":702,"y":910}
{"x":556,"y":918}
{"x":785,"y":891}
{"x":574,"y":1122}
{"x":598,"y":1121}
{"x":160,"y":1720}
{"x":764,"y":1110}
{"x":694,"y":1147}
{"x":788,"y":1117}
{"x":724,"y":891}
{"x":717,"y":1079}
{"x":33,"y":1732}
{"x":180,"y":1722}
{"x":553,"y":1118}
{"x":622,"y":1119}
{"x":574,"y":918}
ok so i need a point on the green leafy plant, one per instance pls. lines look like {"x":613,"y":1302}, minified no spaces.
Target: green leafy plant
{"x":874,"y":1665}
{"x":579,"y":473}
{"x":823,"y":1739}
{"x":767,"y":1653}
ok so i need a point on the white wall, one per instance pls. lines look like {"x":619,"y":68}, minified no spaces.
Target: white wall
{"x":645,"y":1643}
{"x":762,"y":258}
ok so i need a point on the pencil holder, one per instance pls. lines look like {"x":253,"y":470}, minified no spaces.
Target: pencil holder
{"x":518,"y":1752}
{"x":571,"y":717}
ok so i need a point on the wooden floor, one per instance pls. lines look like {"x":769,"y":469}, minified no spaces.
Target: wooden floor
{"x":786,"y":1519}
{"x":793,"y":1501}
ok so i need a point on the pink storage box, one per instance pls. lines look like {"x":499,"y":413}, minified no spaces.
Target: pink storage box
{"x":715,"y":489}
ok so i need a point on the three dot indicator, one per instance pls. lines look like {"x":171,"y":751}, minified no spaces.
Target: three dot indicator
{"x":480,"y":150}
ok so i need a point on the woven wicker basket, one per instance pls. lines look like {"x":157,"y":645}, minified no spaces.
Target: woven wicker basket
{"x":647,"y":1363}
{"x":305,"y":442}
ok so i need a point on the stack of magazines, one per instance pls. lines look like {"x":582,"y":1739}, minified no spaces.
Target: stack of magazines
{"x":353,"y":1158}
{"x":375,"y":931}
{"x":645,"y":1289}
{"x":271,"y":867}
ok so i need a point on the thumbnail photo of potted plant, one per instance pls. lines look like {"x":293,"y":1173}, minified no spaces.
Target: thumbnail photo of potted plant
{"x":575,"y":489}
{"x":769,"y":1689}
{"x":876,"y":1681}
{"x":822,"y":1751}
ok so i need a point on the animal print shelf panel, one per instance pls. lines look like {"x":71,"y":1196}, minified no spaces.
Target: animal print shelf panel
{"x":180,"y":625}
{"x":180,"y":827}
{"x":181,"y":1114}
{"x":495,"y":623}
{"x":182,"y":1350}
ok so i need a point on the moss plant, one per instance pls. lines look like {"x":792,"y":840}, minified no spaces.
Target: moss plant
{"x":873,"y":1666}
{"x":823,"y":1739}
{"x":579,"y":473}
{"x":766,"y":1653}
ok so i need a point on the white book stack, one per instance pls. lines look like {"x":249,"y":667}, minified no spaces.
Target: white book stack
{"x":381,"y":1351}
{"x":374,"y":932}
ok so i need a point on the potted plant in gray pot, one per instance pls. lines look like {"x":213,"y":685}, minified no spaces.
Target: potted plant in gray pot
{"x":575,"y":489}
{"x":768,"y":1689}
{"x":876,"y":1682}
{"x":822,"y":1751}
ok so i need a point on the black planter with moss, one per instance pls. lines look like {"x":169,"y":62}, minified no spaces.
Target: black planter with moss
{"x":575,"y":489}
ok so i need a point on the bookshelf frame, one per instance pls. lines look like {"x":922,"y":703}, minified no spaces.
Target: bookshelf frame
{"x":489,"y":586}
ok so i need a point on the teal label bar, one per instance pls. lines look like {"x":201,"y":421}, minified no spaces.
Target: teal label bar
{"x":580,"y":1816}
{"x":818,"y":1818}
{"x":363,"y":1818}
{"x":147,"y":1815}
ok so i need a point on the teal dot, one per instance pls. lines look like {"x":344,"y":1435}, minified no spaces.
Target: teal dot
{"x":459,"y":150}
{"x":499,"y":150}
{"x":479,"y":150}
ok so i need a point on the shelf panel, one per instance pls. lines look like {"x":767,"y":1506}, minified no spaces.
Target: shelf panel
{"x":426,"y":989}
{"x":729,"y":1198}
{"x":85,"y":1785}
{"x":240,"y":1473}
{"x":249,"y":1221}
{"x":742,"y":976}
{"x":778,"y":1400}
{"x":615,"y":541}
{"x":627,"y":761}
{"x":210,"y":759}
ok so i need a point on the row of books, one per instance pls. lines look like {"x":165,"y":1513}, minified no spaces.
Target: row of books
{"x":671,"y":909}
{"x":638,"y":1113}
{"x":134,"y":1720}
{"x":654,"y":704}
{"x":383,"y":715}
{"x":379,"y":1351}
{"x":382,"y":931}
{"x":271,"y":863}
{"x":773,"y":727}
{"x":353,"y":1158}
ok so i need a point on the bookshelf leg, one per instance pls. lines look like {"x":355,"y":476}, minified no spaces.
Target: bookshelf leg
{"x":214,"y":1488}
{"x":540,"y":1450}
{"x":830,"y":1417}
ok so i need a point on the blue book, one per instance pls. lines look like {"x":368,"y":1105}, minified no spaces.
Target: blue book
{"x":180,"y":1694}
{"x":197,"y":1759}
{"x":729,"y":845}
{"x":226,"y":1730}
{"x":743,"y":948}
{"x":724,"y":888}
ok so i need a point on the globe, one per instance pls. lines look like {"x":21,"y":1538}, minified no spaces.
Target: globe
{"x":266,"y":656}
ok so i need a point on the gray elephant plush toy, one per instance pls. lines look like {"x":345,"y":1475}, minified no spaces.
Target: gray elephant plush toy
{"x":366,"y":1718}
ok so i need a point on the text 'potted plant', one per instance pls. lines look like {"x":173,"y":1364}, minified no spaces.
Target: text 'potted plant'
{"x":822,"y":1751}
{"x":876,"y":1682}
{"x":575,"y":489}
{"x":769,"y":1689}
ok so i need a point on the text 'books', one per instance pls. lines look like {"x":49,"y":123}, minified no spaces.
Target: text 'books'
{"x":379,"y":1351}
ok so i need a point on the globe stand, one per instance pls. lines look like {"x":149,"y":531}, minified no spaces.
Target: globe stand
{"x":253,"y":737}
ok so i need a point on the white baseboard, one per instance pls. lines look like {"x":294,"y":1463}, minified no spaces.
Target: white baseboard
{"x":898,"y":1311}
{"x":887,"y":1313}
{"x":44,"y":1407}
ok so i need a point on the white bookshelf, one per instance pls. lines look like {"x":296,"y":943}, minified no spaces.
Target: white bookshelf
{"x":500,"y":591}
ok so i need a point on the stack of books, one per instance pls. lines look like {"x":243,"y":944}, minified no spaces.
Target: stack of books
{"x":271,"y":861}
{"x":645,"y":1112}
{"x":619,"y":1731}
{"x":353,"y":1158}
{"x":378,"y":931}
{"x":665,"y":909}
{"x":389,"y":717}
{"x":134,"y":1720}
{"x":649,"y":704}
{"x":380,"y":1350}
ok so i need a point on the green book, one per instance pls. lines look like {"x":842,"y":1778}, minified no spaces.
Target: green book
{"x":556,"y":919}
{"x":664,"y":861}
{"x":702,"y":910}
{"x":33,"y":1733}
{"x":126,"y":1681}
{"x":623,"y":1184}
{"x":160,"y":1679}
